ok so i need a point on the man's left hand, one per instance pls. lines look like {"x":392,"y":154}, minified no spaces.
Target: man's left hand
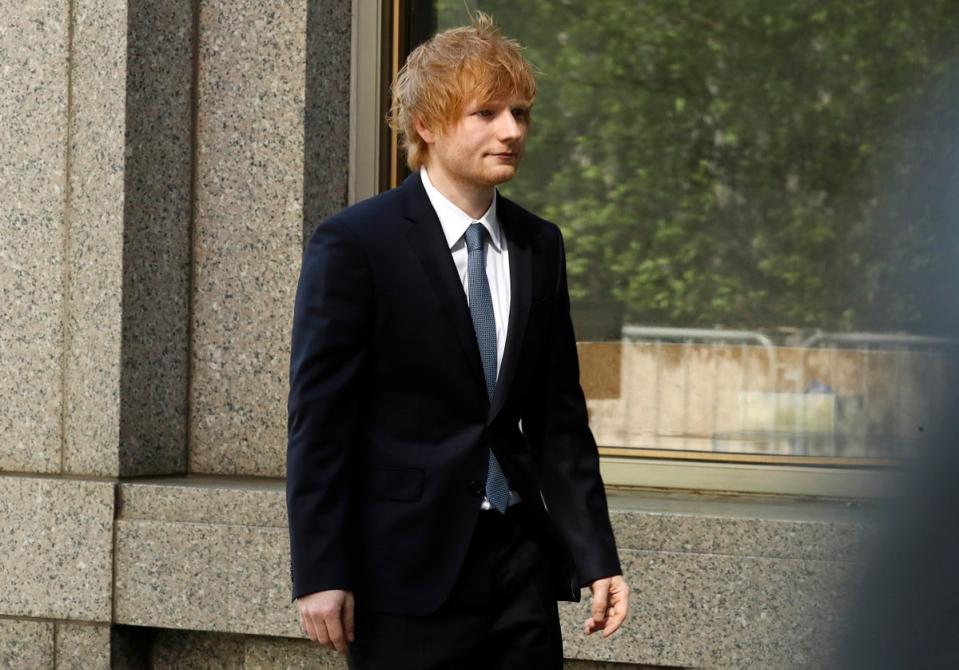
{"x":610,"y":605}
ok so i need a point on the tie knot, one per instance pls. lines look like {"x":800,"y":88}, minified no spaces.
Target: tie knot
{"x":474,"y":236}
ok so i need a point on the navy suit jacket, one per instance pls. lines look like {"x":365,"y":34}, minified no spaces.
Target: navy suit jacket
{"x":389,"y":420}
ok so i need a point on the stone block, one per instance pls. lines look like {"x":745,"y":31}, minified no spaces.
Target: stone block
{"x":716,"y":582}
{"x":768,"y":527}
{"x":191,"y":649}
{"x":716,"y":611}
{"x":156,"y":237}
{"x":56,"y":539}
{"x":198,"y":499}
{"x":204,"y":554}
{"x":33,"y":106}
{"x":94,"y":242}
{"x":226,"y":578}
{"x":94,"y":239}
{"x":267,"y":653}
{"x":248,"y":232}
{"x":26,"y":644}
{"x":83,"y":646}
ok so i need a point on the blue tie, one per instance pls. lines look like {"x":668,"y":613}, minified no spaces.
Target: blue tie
{"x":484,"y":323}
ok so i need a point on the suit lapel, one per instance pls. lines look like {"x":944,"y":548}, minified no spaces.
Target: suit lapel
{"x":426,"y":238}
{"x":520,"y":287}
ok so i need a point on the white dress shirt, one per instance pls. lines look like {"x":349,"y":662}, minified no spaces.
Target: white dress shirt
{"x":455,"y":222}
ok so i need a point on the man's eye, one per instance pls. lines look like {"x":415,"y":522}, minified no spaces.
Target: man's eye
{"x":486,"y":113}
{"x":520,"y":113}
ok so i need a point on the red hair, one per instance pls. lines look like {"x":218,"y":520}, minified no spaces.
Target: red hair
{"x":450,"y":70}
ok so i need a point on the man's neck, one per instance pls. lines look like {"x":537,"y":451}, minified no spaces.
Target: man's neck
{"x":472,"y":199}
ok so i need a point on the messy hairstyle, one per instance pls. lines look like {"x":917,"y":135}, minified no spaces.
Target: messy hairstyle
{"x":450,"y":70}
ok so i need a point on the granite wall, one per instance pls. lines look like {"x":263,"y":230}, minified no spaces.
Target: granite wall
{"x":247,"y":231}
{"x":162,"y":165}
{"x":718,"y":582}
{"x":152,"y":177}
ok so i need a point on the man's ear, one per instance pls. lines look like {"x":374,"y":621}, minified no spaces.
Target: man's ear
{"x":425,"y":133}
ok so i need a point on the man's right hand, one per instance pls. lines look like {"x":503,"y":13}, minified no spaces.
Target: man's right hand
{"x":327,"y":617}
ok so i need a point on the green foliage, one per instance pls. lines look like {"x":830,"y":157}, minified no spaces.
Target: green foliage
{"x":746,"y":163}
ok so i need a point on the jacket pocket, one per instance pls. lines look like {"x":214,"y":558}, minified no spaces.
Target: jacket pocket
{"x":395,"y":483}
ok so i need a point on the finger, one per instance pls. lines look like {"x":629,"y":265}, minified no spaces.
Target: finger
{"x":600,"y":593}
{"x":590,"y":626}
{"x":617,"y":614}
{"x":322,"y":634}
{"x":348,"y":610}
{"x":310,"y":627}
{"x":615,"y":620}
{"x":334,"y":627}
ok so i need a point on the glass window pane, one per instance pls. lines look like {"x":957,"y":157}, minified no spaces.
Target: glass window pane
{"x":758,"y":200}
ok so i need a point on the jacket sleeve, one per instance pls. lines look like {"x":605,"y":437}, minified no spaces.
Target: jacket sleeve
{"x":330,"y":335}
{"x":557,"y":427}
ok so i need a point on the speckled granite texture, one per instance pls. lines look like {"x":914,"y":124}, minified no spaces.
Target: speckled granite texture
{"x":26,"y":644}
{"x":56,"y":544}
{"x":716,"y":611}
{"x":248,"y":231}
{"x":181,"y":649}
{"x":728,"y":581}
{"x":740,"y":583}
{"x":763,"y":526}
{"x":252,"y":502}
{"x":327,"y":119}
{"x":204,"y":576}
{"x":156,"y":238}
{"x":83,"y":646}
{"x":189,"y":649}
{"x":204,"y":554}
{"x":33,"y":134}
{"x":95,"y":237}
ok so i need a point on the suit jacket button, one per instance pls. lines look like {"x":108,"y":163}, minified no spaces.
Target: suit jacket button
{"x":476,"y":486}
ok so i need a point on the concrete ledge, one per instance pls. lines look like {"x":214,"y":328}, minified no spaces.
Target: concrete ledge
{"x":717,"y":581}
{"x":250,"y":502}
{"x":767,"y":526}
{"x":173,"y":649}
{"x":718,"y":611}
{"x":187,"y":649}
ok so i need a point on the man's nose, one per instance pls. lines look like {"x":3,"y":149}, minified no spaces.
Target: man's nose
{"x":509,"y":127}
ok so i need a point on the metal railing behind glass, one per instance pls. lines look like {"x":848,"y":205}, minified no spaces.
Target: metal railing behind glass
{"x":736,"y":395}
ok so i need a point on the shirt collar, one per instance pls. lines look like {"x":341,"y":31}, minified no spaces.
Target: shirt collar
{"x":455,"y":221}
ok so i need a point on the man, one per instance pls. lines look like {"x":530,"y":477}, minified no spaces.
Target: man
{"x":443,"y":486}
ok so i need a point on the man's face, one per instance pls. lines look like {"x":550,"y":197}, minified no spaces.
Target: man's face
{"x":484,"y":146}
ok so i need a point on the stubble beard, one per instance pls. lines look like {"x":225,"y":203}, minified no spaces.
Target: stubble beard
{"x":502,"y":173}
